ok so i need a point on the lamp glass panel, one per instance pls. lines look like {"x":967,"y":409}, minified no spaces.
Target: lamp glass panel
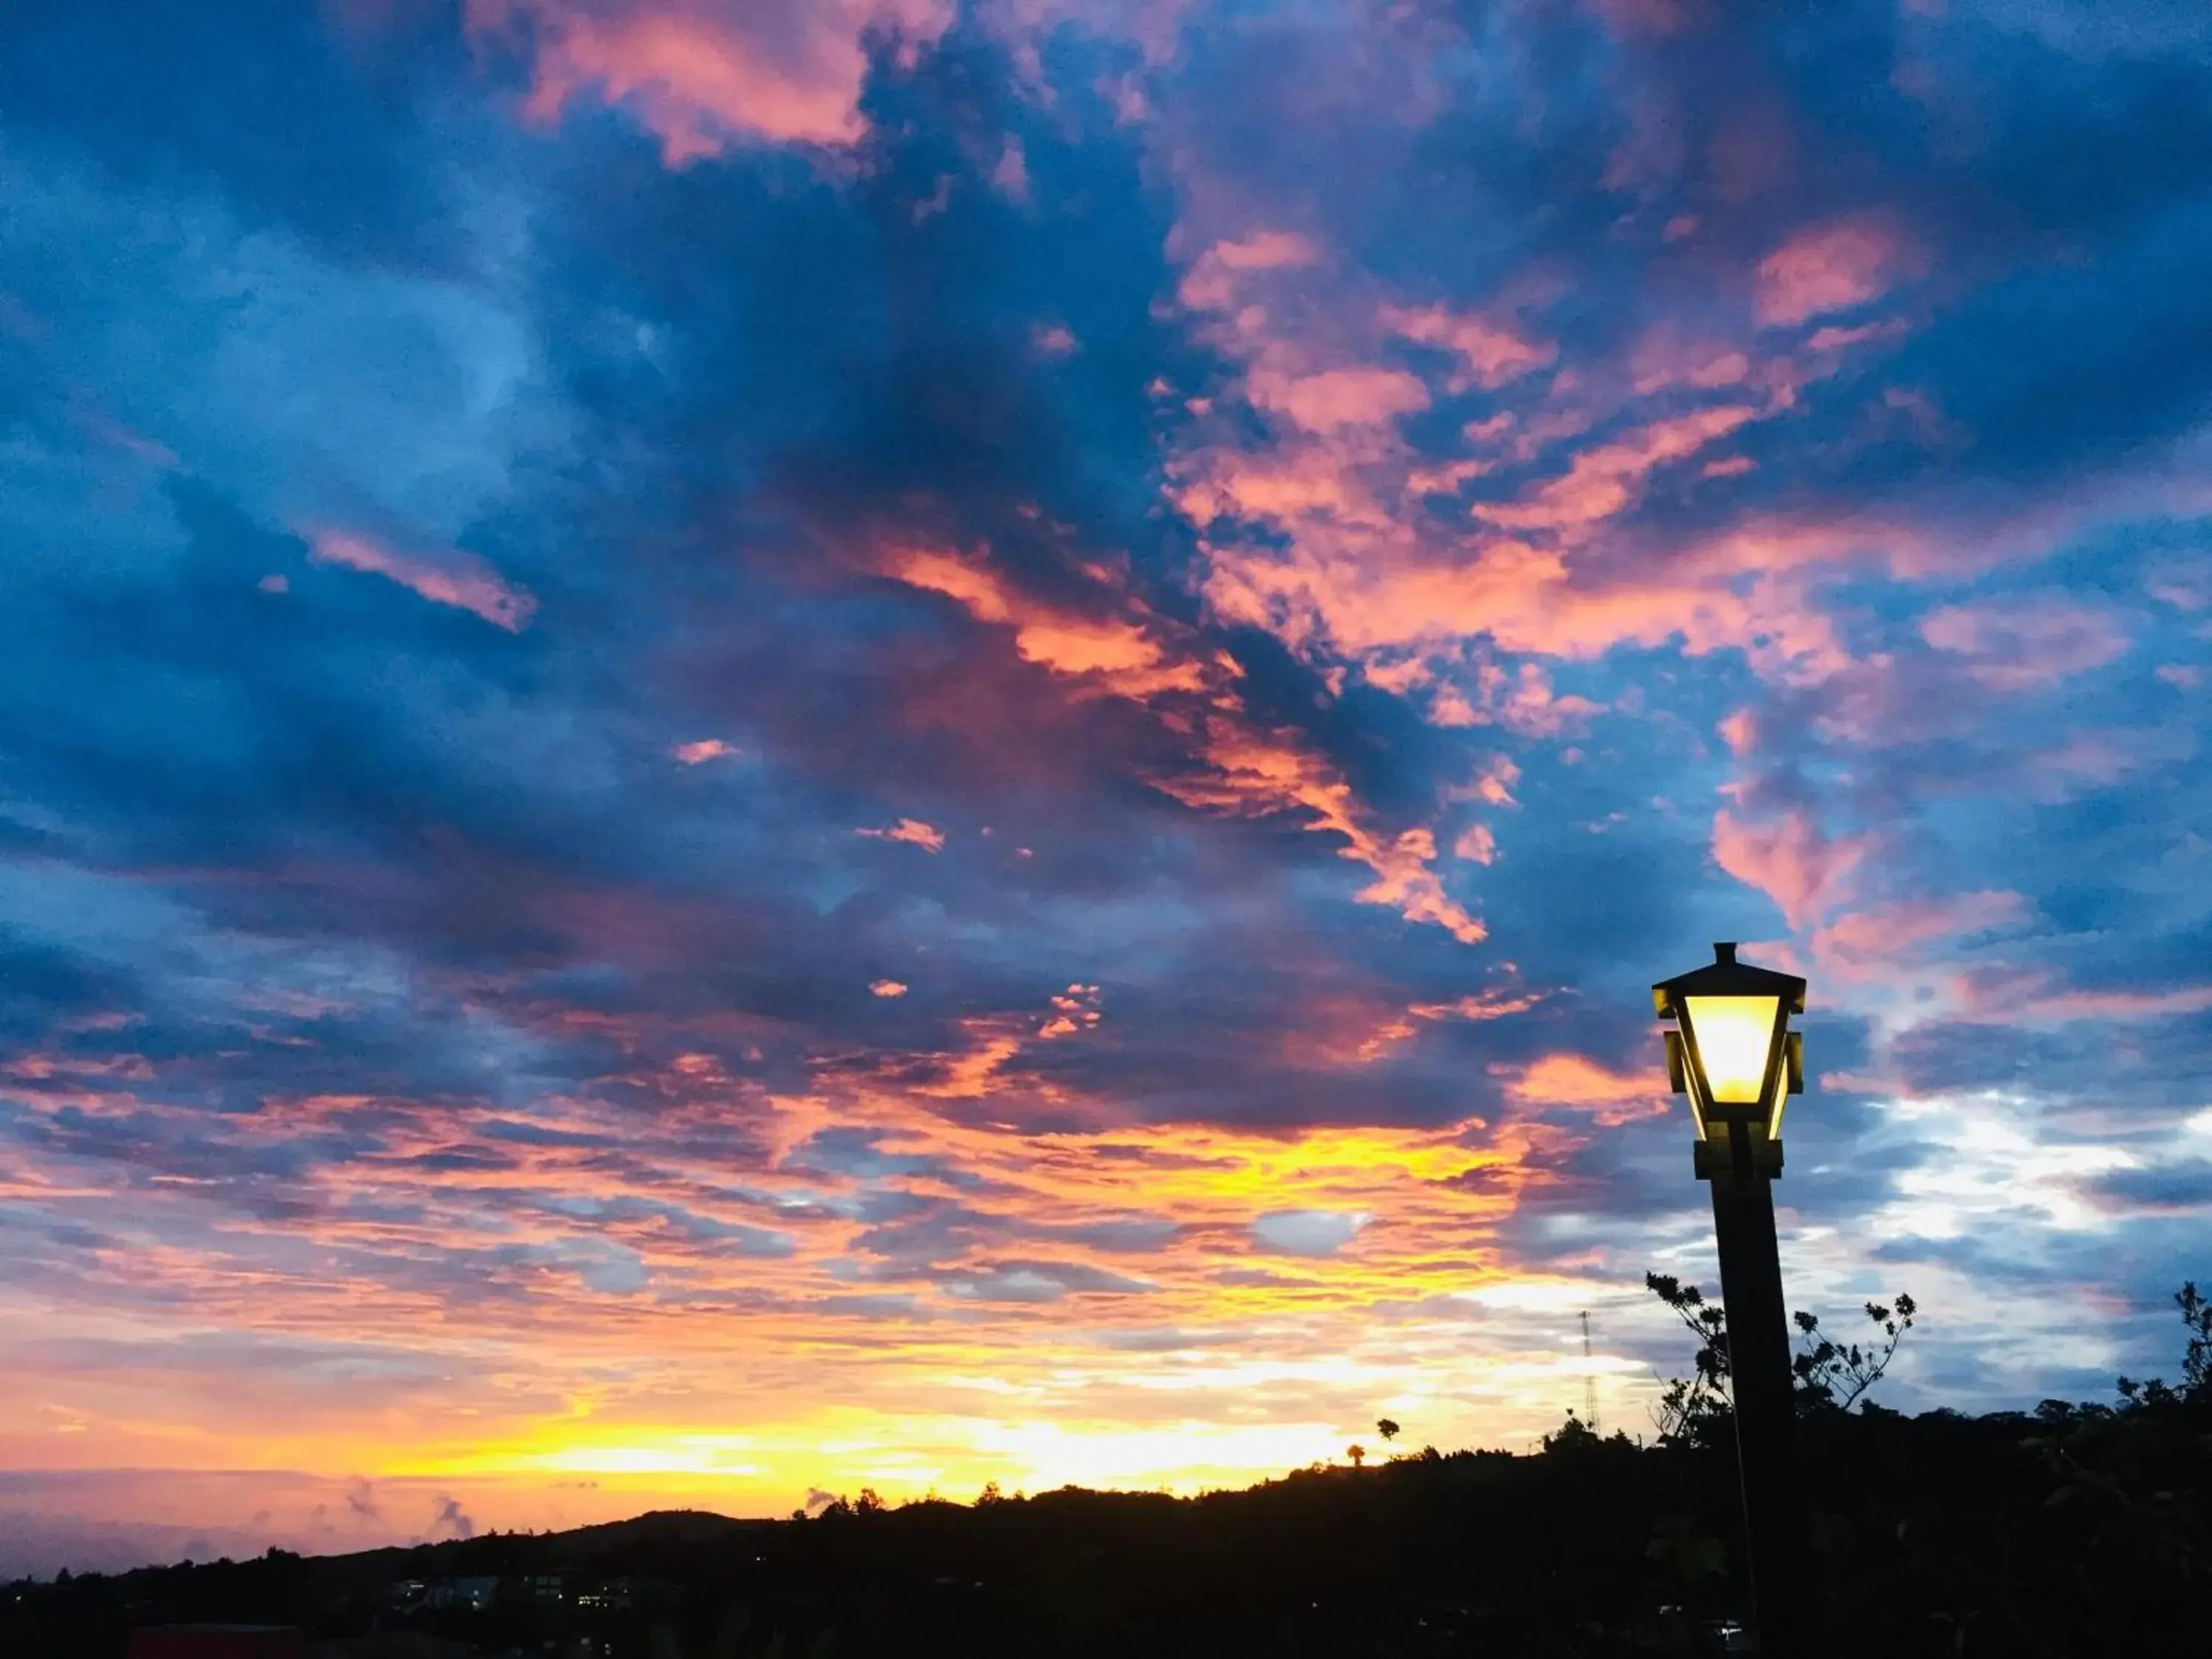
{"x":1733,"y":1036}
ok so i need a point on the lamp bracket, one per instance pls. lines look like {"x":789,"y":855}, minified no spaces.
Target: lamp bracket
{"x":1713,"y":1159}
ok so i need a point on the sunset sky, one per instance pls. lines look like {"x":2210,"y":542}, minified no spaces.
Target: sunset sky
{"x":748,"y":748}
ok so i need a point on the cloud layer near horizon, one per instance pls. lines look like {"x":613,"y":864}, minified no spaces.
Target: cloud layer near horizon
{"x":762,"y":747}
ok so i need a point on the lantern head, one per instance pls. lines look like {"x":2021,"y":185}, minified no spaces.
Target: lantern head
{"x":1733,"y":1054}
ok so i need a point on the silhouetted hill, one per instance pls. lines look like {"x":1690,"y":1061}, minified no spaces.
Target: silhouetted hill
{"x":2072,"y":1531}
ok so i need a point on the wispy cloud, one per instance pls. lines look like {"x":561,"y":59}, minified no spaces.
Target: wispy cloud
{"x":459,"y":580}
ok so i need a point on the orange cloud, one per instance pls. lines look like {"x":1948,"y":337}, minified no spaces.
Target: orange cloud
{"x":913,"y":831}
{"x":460,"y":580}
{"x":1570,"y":1080}
{"x":1828,"y":267}
{"x":1477,"y":843}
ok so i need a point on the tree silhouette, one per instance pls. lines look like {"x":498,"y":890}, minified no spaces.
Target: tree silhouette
{"x":2196,"y":1361}
{"x":1386,"y":1428}
{"x":1830,"y":1375}
{"x":1358,"y":1454}
{"x":1836,"y":1374}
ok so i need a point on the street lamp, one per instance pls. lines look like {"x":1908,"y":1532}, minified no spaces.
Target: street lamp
{"x":1733,"y":1054}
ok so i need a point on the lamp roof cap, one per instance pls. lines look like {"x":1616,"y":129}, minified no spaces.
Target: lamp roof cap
{"x":1724,"y":976}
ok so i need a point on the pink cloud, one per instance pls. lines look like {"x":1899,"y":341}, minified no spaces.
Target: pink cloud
{"x":701,"y":75}
{"x":1789,"y":859}
{"x":1664,"y":358}
{"x":1603,"y":480}
{"x":2016,"y":997}
{"x":1053,"y":340}
{"x":1116,"y":651}
{"x":1523,"y":701}
{"x":1242,"y":767}
{"x":2098,"y":759}
{"x":1873,"y":942}
{"x":1490,"y":353}
{"x":1252,"y":772}
{"x":887,"y":987}
{"x":1338,"y":397}
{"x":2017,"y":646}
{"x":1212,"y":282}
{"x":1828,"y":267}
{"x":460,"y":579}
{"x":699,"y":753}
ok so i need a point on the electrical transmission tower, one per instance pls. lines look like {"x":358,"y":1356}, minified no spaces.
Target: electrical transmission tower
{"x":1590,"y":1378}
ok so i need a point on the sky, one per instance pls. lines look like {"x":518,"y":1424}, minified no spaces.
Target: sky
{"x":752,"y":748}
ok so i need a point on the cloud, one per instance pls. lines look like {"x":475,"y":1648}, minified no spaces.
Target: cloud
{"x":1491,"y":353}
{"x":703,"y":74}
{"x":913,"y":832}
{"x":703,"y":749}
{"x":1603,"y":480}
{"x":449,"y":1519}
{"x":2018,"y":646}
{"x":1309,"y":619}
{"x":1572,"y":1080}
{"x":1308,"y":1232}
{"x":1789,"y":859}
{"x":454,"y":578}
{"x":1336,"y":398}
{"x":1827,"y":267}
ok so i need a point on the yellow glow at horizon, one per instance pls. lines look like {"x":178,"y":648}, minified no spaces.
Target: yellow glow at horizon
{"x":1185,"y":1456}
{"x":1734,"y":1035}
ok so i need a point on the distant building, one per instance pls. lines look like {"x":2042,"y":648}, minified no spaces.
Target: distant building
{"x":216,"y":1642}
{"x":465,"y":1595}
{"x":623,"y":1594}
{"x":405,"y":1595}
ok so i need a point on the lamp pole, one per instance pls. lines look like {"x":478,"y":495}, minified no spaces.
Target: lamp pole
{"x":1734,"y":1056}
{"x":1766,"y":1411}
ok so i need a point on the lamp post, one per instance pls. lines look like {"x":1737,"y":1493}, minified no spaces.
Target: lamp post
{"x":1733,"y":1054}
